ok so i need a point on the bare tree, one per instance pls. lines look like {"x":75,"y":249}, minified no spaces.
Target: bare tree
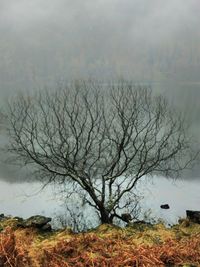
{"x":101,"y":138}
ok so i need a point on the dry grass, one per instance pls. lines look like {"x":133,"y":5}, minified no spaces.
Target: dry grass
{"x":105,"y":246}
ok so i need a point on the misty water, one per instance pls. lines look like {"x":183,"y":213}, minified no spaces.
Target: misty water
{"x":27,"y":199}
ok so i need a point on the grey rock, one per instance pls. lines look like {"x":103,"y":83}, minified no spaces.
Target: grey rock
{"x":193,"y":216}
{"x":19,"y":219}
{"x":126,"y":217}
{"x":165,"y":206}
{"x":46,"y":228}
{"x":3,"y":217}
{"x":37,"y":221}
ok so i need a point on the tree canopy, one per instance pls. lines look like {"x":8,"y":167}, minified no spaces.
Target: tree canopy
{"x":101,"y":138}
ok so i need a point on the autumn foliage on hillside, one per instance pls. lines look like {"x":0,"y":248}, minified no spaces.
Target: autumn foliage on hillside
{"x":104,"y":247}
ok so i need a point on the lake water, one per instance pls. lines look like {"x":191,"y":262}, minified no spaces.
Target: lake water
{"x":26,"y":199}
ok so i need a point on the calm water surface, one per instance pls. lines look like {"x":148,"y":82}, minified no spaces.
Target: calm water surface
{"x":26,"y":199}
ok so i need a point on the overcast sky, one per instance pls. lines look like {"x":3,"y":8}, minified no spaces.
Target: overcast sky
{"x":46,"y":41}
{"x":155,"y":42}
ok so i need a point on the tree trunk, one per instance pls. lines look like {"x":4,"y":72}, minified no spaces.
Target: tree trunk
{"x":105,"y":216}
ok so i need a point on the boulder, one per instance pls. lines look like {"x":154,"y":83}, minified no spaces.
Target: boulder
{"x":37,"y":221}
{"x":126,"y":217}
{"x":19,"y":219}
{"x":193,"y":216}
{"x":46,"y":228}
{"x":3,"y":217}
{"x":165,"y":206}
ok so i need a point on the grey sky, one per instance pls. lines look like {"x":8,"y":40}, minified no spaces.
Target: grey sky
{"x":44,"y":41}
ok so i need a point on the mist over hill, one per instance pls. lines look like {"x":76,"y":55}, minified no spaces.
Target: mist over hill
{"x":150,"y":42}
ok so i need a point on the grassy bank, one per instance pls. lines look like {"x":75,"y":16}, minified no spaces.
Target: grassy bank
{"x":105,"y":246}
